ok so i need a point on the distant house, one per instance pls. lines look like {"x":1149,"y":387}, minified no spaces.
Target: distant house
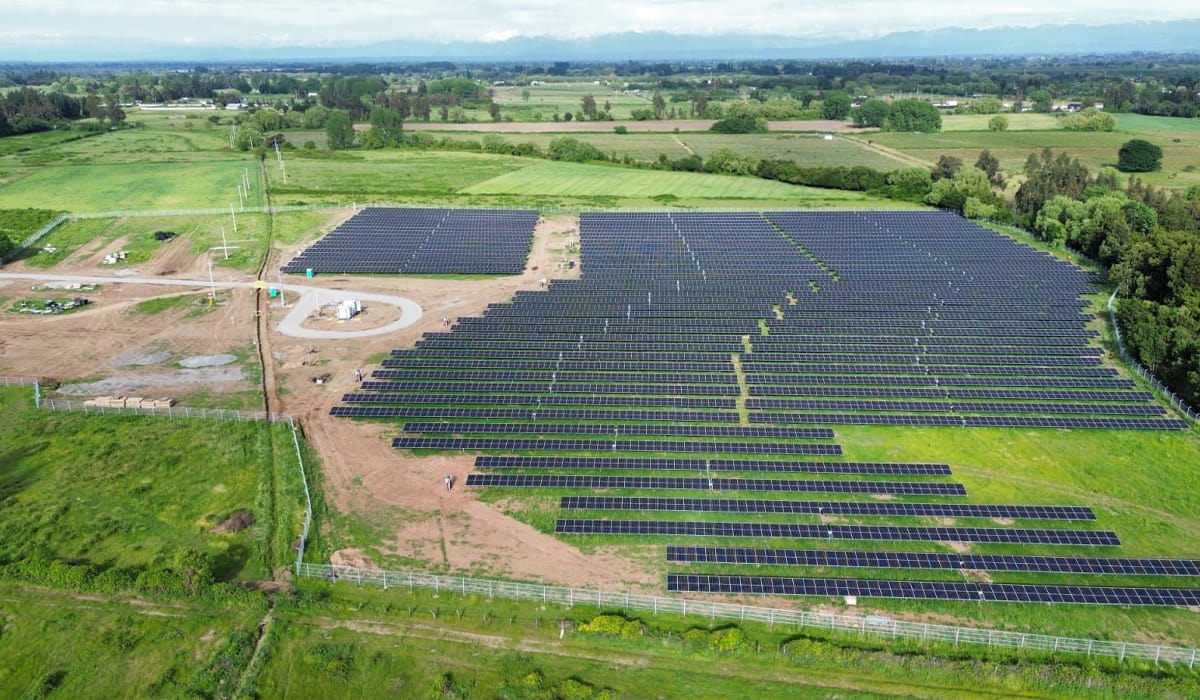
{"x":235,"y":106}
{"x":1074,"y":106}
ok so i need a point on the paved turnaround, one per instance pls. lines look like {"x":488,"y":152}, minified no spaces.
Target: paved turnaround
{"x":291,"y":325}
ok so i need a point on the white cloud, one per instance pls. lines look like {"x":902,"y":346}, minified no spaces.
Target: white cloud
{"x":312,"y":22}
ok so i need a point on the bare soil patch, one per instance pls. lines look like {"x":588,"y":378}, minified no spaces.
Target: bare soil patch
{"x":236,"y":522}
{"x":373,"y":315}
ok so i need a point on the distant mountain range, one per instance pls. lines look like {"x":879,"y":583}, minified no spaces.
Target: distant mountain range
{"x":1181,"y":36}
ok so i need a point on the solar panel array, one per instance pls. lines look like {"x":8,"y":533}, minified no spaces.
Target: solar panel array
{"x":384,"y":240}
{"x":933,"y":590}
{"x":706,"y":353}
{"x":934,"y":560}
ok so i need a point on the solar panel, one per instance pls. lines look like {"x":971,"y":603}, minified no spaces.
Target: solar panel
{"x":423,"y":241}
{"x":710,"y":465}
{"x":1094,"y":538}
{"x":614,"y":445}
{"x":853,"y":508}
{"x":910,"y":488}
{"x":934,"y":590}
{"x":933,"y":560}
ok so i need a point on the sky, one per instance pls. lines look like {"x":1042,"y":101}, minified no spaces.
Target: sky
{"x":270,"y":23}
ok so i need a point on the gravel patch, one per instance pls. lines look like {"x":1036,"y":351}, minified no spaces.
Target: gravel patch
{"x":207,"y":360}
{"x":139,"y":383}
{"x":134,"y":358}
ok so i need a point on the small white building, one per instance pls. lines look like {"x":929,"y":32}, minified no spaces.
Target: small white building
{"x":348,"y":309}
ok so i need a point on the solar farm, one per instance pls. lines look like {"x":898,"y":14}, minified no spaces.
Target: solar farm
{"x":386,"y":240}
{"x":703,"y":363}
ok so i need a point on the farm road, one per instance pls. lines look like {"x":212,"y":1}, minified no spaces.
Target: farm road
{"x":292,"y":324}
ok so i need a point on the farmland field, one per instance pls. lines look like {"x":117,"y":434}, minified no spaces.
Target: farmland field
{"x":388,"y":175}
{"x":573,"y":179}
{"x":1094,"y":149}
{"x":86,"y":489}
{"x":806,"y":149}
{"x":122,"y":186}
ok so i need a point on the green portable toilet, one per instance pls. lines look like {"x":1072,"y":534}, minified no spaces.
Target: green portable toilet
{"x":309,"y":272}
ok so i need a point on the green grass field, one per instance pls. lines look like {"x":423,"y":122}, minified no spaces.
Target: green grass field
{"x":416,"y":643}
{"x":1093,"y":149}
{"x":545,"y":100}
{"x":386,"y":175}
{"x":129,"y":186}
{"x":806,"y":149}
{"x":578,"y":180}
{"x":82,"y":487}
{"x":1025,"y":121}
{"x":60,"y":644}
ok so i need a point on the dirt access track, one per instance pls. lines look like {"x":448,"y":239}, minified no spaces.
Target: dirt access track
{"x":402,"y":497}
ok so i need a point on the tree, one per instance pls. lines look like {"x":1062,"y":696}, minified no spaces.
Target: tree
{"x":986,"y":105}
{"x":740,"y":124}
{"x":913,"y":115}
{"x":1090,"y":119}
{"x":946,"y":167}
{"x":836,"y":106}
{"x":998,"y":123}
{"x":700,"y":105}
{"x":910,"y":184}
{"x":194,"y":568}
{"x":339,"y":131}
{"x":7,"y":246}
{"x":1139,"y":156}
{"x":966,"y":185}
{"x":990,"y":165}
{"x":525,"y":95}
{"x":724,"y":160}
{"x":388,"y":127}
{"x":872,"y":113}
{"x":494,"y":111}
{"x":1047,"y":175}
{"x":572,"y":150}
{"x":660,"y":105}
{"x":587,"y":104}
{"x":1042,"y":100}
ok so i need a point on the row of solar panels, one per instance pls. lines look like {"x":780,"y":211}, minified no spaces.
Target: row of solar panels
{"x":933,"y":590}
{"x":422,"y":241}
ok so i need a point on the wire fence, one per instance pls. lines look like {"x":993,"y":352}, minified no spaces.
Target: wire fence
{"x":1183,"y":407}
{"x":206,"y":212}
{"x":492,"y":588}
{"x":169,"y":411}
{"x":1189,"y":411}
{"x":35,"y":237}
{"x":868,"y":624}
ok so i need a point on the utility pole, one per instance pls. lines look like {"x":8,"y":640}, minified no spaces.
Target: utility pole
{"x":212,"y":283}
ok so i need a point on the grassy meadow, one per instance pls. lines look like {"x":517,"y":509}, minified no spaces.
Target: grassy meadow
{"x":59,"y":644}
{"x":575,"y":180}
{"x":1179,"y":139}
{"x":806,"y":149}
{"x":82,"y":487}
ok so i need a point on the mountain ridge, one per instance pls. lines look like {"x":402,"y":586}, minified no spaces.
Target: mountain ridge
{"x":1178,"y":36}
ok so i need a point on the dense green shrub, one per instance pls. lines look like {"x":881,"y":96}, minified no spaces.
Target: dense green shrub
{"x":1139,"y":156}
{"x":613,"y":626}
{"x":913,"y":115}
{"x":740,"y":124}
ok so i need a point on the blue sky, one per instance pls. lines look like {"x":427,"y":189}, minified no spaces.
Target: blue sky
{"x":52,"y":24}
